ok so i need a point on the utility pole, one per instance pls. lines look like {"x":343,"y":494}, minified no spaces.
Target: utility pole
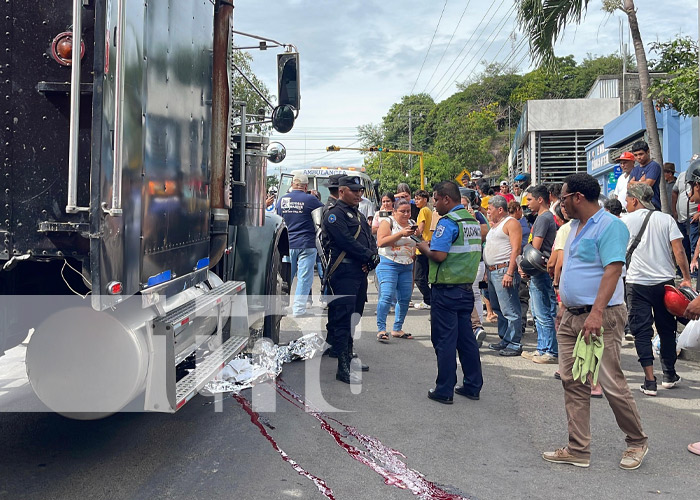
{"x":410,"y":137}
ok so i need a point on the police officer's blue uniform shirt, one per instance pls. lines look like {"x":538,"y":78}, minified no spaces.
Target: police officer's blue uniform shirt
{"x":446,"y":231}
{"x":340,"y":224}
{"x":296,"y":207}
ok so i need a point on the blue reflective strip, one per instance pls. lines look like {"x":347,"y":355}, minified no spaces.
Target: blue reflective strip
{"x":203,"y":263}
{"x":160,"y":278}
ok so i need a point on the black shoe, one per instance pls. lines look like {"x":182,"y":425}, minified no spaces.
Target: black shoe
{"x":510,"y":352}
{"x":649,"y":388}
{"x":363,"y":366}
{"x":498,"y":347}
{"x":344,"y":374}
{"x":439,"y":399}
{"x":463,"y":392}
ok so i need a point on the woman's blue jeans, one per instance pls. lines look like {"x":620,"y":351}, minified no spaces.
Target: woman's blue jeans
{"x":395,"y":287}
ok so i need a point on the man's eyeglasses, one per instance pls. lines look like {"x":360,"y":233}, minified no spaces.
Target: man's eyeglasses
{"x":562,"y":198}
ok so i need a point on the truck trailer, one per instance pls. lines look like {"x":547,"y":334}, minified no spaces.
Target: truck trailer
{"x":135,"y":249}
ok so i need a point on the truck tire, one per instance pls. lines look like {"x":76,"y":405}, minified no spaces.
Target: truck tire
{"x":277,"y":292}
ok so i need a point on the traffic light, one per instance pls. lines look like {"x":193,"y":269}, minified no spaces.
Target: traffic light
{"x":374,"y":149}
{"x":332,"y":148}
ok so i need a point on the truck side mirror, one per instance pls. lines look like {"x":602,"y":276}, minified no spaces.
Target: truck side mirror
{"x":276,"y":152}
{"x":283,"y":118}
{"x":288,"y":79}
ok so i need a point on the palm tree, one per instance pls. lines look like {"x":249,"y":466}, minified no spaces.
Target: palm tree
{"x":544,"y":22}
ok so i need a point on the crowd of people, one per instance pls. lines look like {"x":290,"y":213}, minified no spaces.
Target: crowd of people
{"x":589,"y":271}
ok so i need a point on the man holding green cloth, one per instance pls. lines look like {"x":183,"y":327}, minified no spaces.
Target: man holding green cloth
{"x":454,"y":254}
{"x":592,"y":293}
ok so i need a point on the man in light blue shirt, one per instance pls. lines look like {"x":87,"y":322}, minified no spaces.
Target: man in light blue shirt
{"x":592,"y":294}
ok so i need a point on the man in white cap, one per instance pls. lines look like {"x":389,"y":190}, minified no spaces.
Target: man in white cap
{"x":296,"y":207}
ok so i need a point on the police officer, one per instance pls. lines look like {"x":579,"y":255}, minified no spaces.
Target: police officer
{"x":322,"y":244}
{"x":454,"y":253}
{"x":333,"y":186}
{"x":353,"y":253}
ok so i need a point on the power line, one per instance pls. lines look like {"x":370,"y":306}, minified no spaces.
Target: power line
{"x":494,"y":34}
{"x":448,"y":46}
{"x":450,"y":80}
{"x":465,"y":46}
{"x":429,"y":46}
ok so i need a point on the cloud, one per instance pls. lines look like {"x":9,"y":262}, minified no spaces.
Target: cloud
{"x":360,"y":57}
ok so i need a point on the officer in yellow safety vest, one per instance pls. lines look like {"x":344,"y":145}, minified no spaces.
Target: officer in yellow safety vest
{"x":454,"y":253}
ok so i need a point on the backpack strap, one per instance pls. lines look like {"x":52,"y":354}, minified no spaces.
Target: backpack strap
{"x":637,"y":239}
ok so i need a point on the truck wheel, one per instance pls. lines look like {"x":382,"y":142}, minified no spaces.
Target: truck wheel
{"x":277,"y":291}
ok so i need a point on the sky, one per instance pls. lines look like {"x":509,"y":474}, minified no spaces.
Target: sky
{"x":358,"y":57}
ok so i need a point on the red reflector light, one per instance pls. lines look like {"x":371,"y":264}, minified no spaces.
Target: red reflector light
{"x":114,"y":288}
{"x":184,"y":321}
{"x":62,"y":48}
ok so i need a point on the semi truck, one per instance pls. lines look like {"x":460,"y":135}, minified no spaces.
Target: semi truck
{"x":135,"y":250}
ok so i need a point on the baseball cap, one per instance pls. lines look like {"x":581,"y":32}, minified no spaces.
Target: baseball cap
{"x":643,"y":193}
{"x":333,"y":180}
{"x":504,"y":183}
{"x":351,"y":181}
{"x":626,"y":156}
{"x":300,"y":179}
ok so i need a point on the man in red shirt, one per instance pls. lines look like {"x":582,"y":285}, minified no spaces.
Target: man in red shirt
{"x":505,"y":192}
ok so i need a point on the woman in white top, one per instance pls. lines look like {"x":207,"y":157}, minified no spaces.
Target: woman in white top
{"x":395,"y":270}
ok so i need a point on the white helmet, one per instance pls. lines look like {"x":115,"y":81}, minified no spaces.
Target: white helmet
{"x":477,"y":174}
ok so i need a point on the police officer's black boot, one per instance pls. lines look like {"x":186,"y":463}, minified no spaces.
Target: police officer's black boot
{"x":344,"y":374}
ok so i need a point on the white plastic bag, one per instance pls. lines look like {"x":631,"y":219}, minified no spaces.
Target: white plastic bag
{"x":690,"y":336}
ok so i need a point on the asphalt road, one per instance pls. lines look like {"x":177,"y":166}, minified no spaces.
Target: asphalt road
{"x":387,"y":441}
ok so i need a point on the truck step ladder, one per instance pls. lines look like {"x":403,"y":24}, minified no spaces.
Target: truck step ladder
{"x":163,"y":393}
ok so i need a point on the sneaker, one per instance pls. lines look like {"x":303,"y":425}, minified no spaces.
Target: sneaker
{"x":530,"y":355}
{"x":557,"y":375}
{"x":480,"y":335}
{"x":649,"y":387}
{"x":632,"y":457}
{"x":499,"y":346}
{"x":410,"y":304}
{"x":422,"y":305}
{"x":509,"y":351}
{"x":546,"y":359}
{"x":629,"y":336}
{"x":671,"y":382}
{"x":562,"y":456}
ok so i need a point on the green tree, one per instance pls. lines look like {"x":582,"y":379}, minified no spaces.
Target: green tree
{"x":678,"y":58}
{"x":395,"y":123}
{"x":544,"y":21}
{"x":243,"y":91}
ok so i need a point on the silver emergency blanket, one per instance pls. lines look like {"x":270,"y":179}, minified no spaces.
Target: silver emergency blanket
{"x":243,"y":372}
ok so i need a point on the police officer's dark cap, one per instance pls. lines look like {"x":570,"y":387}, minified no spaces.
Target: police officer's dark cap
{"x":334,"y":179}
{"x":352,"y":182}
